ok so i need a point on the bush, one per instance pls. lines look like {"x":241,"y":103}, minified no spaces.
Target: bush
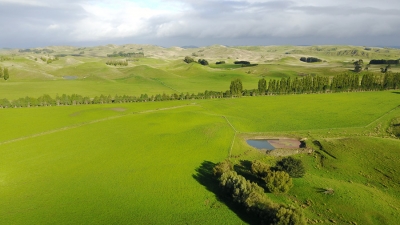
{"x":289,"y":215}
{"x":278,"y":181}
{"x":222,"y":167}
{"x":220,"y":62}
{"x":294,"y":167}
{"x":188,"y":59}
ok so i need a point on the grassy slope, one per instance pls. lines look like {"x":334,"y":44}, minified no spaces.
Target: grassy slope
{"x":124,"y":169}
{"x":305,"y":112}
{"x":134,"y":169}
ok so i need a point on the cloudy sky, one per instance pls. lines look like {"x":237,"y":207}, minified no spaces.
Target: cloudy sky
{"x":39,"y":23}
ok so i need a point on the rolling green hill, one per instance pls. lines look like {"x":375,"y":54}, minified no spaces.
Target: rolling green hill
{"x":148,"y":162}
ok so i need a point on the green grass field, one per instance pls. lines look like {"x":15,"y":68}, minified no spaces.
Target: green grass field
{"x":138,"y":163}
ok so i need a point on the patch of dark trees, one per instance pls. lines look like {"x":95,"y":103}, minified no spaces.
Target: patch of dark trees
{"x":220,"y":62}
{"x":37,"y":51}
{"x":384,"y":61}
{"x":245,"y":63}
{"x":117,"y":62}
{"x":203,"y":62}
{"x":129,"y":54}
{"x":242,"y":62}
{"x":245,"y":185}
{"x":310,"y":59}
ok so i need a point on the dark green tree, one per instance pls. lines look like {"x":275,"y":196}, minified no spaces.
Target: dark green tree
{"x":278,"y":182}
{"x":6,"y":74}
{"x":262,"y":86}
{"x":294,"y":167}
{"x":358,"y":65}
{"x":203,"y":62}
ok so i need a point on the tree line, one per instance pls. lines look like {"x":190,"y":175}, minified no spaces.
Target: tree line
{"x":345,"y":82}
{"x":129,"y":54}
{"x":75,"y":99}
{"x":4,"y":74}
{"x":117,"y":62}
{"x":384,"y":61}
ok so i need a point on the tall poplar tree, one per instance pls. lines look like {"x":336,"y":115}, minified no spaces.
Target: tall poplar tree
{"x":262,"y":86}
{"x":6,"y":74}
{"x":236,"y":88}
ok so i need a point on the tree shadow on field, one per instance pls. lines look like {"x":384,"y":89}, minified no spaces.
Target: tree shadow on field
{"x":204,"y":175}
{"x":396,"y":92}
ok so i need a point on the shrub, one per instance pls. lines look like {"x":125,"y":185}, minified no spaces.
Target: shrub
{"x":188,"y":59}
{"x":278,"y":181}
{"x":294,"y":167}
{"x":289,"y":215}
{"x":222,"y":167}
{"x":203,"y":62}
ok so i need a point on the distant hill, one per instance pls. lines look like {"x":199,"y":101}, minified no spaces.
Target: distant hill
{"x":189,"y":46}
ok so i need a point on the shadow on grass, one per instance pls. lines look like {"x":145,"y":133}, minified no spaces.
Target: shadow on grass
{"x":204,"y":175}
{"x":328,"y":191}
{"x":396,"y":92}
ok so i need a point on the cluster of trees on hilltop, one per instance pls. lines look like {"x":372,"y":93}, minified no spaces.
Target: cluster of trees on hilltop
{"x":129,"y":54}
{"x":117,"y":62}
{"x":204,"y":62}
{"x":189,"y":59}
{"x":251,"y":195}
{"x":310,"y":59}
{"x":48,"y":60}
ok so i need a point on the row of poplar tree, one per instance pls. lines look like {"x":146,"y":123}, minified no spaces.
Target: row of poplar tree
{"x":4,"y":74}
{"x":320,"y":84}
{"x":308,"y":84}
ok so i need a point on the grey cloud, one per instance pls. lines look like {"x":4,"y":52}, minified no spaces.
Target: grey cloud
{"x":218,"y":21}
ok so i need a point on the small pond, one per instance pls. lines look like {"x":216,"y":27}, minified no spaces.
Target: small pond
{"x":70,"y":77}
{"x":260,"y":144}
